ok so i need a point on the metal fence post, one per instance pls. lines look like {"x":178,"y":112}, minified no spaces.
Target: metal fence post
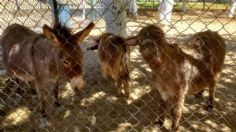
{"x":60,"y":12}
{"x":92,"y":10}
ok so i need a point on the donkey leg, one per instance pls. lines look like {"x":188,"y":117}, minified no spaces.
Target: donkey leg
{"x":104,"y":70}
{"x":161,"y":112}
{"x":119,"y":88}
{"x":42,"y":96}
{"x":78,"y":83}
{"x":126,"y":78}
{"x":55,"y":93}
{"x":126,"y":87}
{"x":39,"y":91}
{"x":32,"y":88}
{"x":212,"y":90}
{"x":199,"y":94}
{"x":176,"y":112}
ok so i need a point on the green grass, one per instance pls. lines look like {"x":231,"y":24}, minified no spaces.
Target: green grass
{"x":147,"y":4}
{"x":190,"y":5}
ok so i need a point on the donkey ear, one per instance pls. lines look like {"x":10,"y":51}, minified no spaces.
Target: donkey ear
{"x":119,"y":40}
{"x":81,"y":35}
{"x":131,"y":41}
{"x":50,"y":35}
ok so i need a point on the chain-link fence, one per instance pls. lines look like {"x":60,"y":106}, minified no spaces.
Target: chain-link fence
{"x":97,"y":107}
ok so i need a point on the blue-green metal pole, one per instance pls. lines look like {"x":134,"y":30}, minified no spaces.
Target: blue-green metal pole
{"x":92,"y":10}
{"x":83,"y":10}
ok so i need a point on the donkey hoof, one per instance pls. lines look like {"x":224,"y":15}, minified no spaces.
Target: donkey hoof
{"x":198,"y":95}
{"x":43,"y":122}
{"x":127,"y":95}
{"x":175,"y":129}
{"x":159,"y":123}
{"x":57,"y":104}
{"x":118,"y":95}
{"x":2,"y":113}
{"x":209,"y":107}
{"x":78,"y":91}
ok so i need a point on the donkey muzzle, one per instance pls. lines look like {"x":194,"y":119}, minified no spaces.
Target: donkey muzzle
{"x":78,"y":83}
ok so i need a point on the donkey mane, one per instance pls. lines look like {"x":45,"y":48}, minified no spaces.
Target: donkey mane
{"x":61,"y":31}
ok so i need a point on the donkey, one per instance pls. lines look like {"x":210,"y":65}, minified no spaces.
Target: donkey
{"x":113,"y":55}
{"x":177,"y":73}
{"x":43,"y":58}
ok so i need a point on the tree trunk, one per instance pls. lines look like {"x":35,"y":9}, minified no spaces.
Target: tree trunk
{"x":165,"y":9}
{"x":115,"y":17}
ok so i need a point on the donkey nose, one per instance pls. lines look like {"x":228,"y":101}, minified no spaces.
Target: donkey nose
{"x":78,"y":83}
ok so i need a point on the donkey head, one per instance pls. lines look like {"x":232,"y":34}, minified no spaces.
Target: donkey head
{"x":108,"y":41}
{"x":70,"y":54}
{"x":149,"y":39}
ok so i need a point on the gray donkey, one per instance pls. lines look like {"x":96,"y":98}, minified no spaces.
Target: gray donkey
{"x":43,"y":58}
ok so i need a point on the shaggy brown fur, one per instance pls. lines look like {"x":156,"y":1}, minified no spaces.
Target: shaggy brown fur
{"x":43,"y":58}
{"x":177,"y":73}
{"x":112,"y":52}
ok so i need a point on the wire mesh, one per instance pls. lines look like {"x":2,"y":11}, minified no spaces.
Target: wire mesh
{"x":96,"y":107}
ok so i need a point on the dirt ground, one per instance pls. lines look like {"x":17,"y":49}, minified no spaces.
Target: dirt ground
{"x":98,"y":109}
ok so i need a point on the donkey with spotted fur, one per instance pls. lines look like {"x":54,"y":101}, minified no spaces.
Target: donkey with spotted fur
{"x":177,"y":73}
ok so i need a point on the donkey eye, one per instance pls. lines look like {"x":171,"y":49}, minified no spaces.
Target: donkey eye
{"x":66,"y":63}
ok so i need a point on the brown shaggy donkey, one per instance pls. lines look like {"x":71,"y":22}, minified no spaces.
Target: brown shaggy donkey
{"x":176,"y":73}
{"x":112,"y":52}
{"x":43,"y":58}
